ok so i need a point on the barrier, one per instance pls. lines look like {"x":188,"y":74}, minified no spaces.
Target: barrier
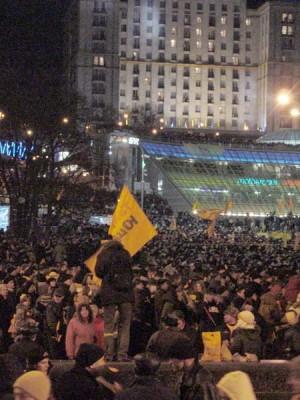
{"x":269,"y":378}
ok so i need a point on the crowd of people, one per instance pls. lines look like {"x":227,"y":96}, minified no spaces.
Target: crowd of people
{"x":154,"y":307}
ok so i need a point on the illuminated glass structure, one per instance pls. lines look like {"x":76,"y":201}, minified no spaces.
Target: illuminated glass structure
{"x":258,"y":181}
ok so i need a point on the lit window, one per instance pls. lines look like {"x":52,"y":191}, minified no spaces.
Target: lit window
{"x":223,"y":20}
{"x":173,"y":42}
{"x":287,"y":30}
{"x":235,"y":60}
{"x":98,"y":60}
{"x":211,"y":46}
{"x":173,"y":31}
{"x":223,"y":33}
{"x":199,"y":20}
{"x":197,"y":70}
{"x":198,"y":44}
{"x":248,"y":21}
{"x":198,"y":32}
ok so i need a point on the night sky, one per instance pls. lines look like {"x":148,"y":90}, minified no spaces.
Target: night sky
{"x":31,"y":55}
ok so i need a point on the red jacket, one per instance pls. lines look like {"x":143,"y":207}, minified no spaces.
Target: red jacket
{"x":78,"y":333}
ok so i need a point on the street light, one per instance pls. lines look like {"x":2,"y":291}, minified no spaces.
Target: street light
{"x":154,"y":131}
{"x":29,"y":132}
{"x":283,"y":98}
{"x":65,"y":120}
{"x":295,"y":112}
{"x":2,"y":115}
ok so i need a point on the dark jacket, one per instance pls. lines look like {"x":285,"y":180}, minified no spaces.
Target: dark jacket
{"x":246,"y":341}
{"x":22,"y":350}
{"x":292,"y":341}
{"x":79,"y":384}
{"x":147,"y":388}
{"x":197,"y":384}
{"x":161,"y":341}
{"x":54,"y":315}
{"x":114,"y":268}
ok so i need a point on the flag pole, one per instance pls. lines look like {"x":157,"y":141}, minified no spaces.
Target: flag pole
{"x":143,"y":178}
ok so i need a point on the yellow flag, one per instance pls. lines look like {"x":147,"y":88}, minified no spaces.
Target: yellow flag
{"x":91,"y":264}
{"x":129,"y":223}
{"x":210,"y":214}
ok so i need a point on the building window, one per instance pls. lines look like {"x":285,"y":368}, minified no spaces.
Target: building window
{"x":223,"y":33}
{"x":199,"y":20}
{"x":236,"y":22}
{"x":135,"y":82}
{"x":136,"y":69}
{"x":211,"y":73}
{"x":236,"y":9}
{"x":136,"y":43}
{"x":287,"y":17}
{"x":235,"y":60}
{"x":235,"y":74}
{"x":186,"y":85}
{"x":287,"y":30}
{"x":223,"y":84}
{"x":248,"y":35}
{"x":212,"y":20}
{"x":248,"y":21}
{"x":198,"y":44}
{"x":122,"y":92}
{"x":210,"y":98}
{"x":223,"y":46}
{"x":149,"y":16}
{"x":222,"y":97}
{"x":148,"y":67}
{"x":173,"y":56}
{"x":149,"y":42}
{"x":236,"y":48}
{"x":248,"y":60}
{"x":123,"y":67}
{"x":187,"y":20}
{"x":175,"y":4}
{"x":123,"y":41}
{"x":224,"y":8}
{"x":211,"y":47}
{"x":99,"y":60}
{"x":211,"y":35}
{"x":123,"y":28}
{"x":235,"y":86}
{"x":236,"y":36}
{"x":212,"y":8}
{"x":288,"y":44}
{"x":173,"y":107}
{"x":197,"y":108}
{"x":173,"y":95}
{"x":148,"y":93}
{"x":187,"y":6}
{"x":235,"y":99}
{"x":173,"y":43}
{"x":199,"y":6}
{"x":198,"y":32}
{"x":198,"y":83}
{"x":247,"y":85}
{"x":210,"y":85}
{"x":174,"y":18}
{"x":234,"y":123}
{"x":149,"y":29}
{"x":161,"y":70}
{"x":150,"y":3}
{"x":248,"y":47}
{"x":223,"y":20}
{"x":223,"y":60}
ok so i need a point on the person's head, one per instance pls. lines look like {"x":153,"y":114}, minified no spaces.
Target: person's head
{"x":164,"y":285}
{"x":33,"y":385}
{"x":246,"y":320}
{"x":179,"y":316}
{"x":182,"y":354}
{"x":236,"y":385}
{"x":11,"y":285}
{"x":230,"y":315}
{"x":241,"y":291}
{"x":112,"y":254}
{"x":3,"y":290}
{"x":25,"y":300}
{"x":90,"y":357}
{"x":146,"y":364}
{"x":39,"y":360}
{"x":58,"y":295}
{"x":84,"y":313}
{"x":152,"y":286}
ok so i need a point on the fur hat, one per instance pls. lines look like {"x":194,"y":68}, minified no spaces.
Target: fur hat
{"x":246,"y":320}
{"x":34,"y":384}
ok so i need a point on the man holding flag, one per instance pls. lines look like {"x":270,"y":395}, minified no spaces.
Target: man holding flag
{"x":131,"y":230}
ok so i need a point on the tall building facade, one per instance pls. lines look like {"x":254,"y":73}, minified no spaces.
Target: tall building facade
{"x":186,"y":63}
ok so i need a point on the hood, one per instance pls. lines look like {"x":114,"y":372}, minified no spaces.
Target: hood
{"x":237,"y":386}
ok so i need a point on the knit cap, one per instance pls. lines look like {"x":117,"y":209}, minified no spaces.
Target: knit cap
{"x":246,"y":320}
{"x":35,"y":384}
{"x":237,"y":386}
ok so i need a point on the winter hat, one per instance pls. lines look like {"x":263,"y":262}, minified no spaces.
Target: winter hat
{"x":246,"y":320}
{"x":35,"y":384}
{"x":181,"y":349}
{"x":237,"y":386}
{"x":88,"y":354}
